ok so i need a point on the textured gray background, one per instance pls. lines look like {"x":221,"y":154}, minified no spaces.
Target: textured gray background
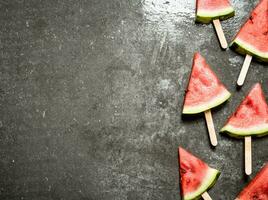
{"x":91,"y":94}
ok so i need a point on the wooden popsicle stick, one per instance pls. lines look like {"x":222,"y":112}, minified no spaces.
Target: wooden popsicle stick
{"x":211,"y":129}
{"x":248,"y":155}
{"x":220,"y":34}
{"x":206,"y":196}
{"x":244,"y":70}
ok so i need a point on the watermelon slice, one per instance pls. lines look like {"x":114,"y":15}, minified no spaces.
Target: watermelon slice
{"x":208,"y":10}
{"x":252,"y":38}
{"x":257,"y":189}
{"x":195,"y":175}
{"x":251,"y":117}
{"x":204,"y":91}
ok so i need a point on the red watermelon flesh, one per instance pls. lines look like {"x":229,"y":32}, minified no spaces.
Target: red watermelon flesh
{"x":251,"y":117}
{"x":196,"y":176}
{"x":207,"y":10}
{"x":253,"y":36}
{"x":257,"y":189}
{"x":204,"y":91}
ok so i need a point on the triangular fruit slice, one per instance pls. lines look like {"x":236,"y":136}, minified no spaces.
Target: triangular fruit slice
{"x":252,"y":38}
{"x":204,"y":91}
{"x":257,"y":189}
{"x":195,"y":175}
{"x":207,"y":10}
{"x":251,"y":117}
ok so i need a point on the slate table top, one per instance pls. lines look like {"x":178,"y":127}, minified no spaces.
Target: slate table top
{"x":91,"y":93}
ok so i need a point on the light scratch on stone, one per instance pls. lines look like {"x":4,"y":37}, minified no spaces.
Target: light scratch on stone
{"x":44,"y":113}
{"x":155,"y":53}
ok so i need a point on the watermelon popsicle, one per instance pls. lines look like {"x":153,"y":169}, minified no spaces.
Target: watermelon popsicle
{"x":252,"y":39}
{"x":196,"y":177}
{"x":250,"y":119}
{"x":208,"y":11}
{"x":257,"y":188}
{"x":203,"y":93}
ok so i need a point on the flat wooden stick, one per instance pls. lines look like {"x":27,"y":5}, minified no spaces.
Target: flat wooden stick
{"x":248,"y":155}
{"x":211,"y":129}
{"x":220,"y":34}
{"x":244,"y":70}
{"x":206,"y":196}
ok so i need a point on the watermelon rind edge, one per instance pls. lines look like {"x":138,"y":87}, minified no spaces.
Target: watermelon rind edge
{"x":210,"y":180}
{"x":244,"y":48}
{"x":206,"y":16}
{"x":258,"y":131}
{"x":219,"y":99}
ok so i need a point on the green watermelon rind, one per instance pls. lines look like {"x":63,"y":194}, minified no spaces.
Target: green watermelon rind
{"x":209,"y":181}
{"x":244,"y":48}
{"x":257,"y":131}
{"x":219,"y":99}
{"x":207,"y":16}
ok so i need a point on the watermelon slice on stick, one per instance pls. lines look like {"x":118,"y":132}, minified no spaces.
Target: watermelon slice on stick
{"x":196,"y":177}
{"x":208,"y":11}
{"x":250,"y":119}
{"x":204,"y":92}
{"x":257,"y":189}
{"x":252,"y":39}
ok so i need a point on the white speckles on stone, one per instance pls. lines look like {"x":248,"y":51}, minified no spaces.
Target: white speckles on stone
{"x":235,"y":60}
{"x":182,"y":130}
{"x":226,"y":143}
{"x":164,"y":84}
{"x":218,"y":157}
{"x":182,"y":71}
{"x":166,"y":15}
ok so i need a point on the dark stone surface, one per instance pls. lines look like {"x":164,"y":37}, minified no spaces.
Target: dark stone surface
{"x":91,"y":94}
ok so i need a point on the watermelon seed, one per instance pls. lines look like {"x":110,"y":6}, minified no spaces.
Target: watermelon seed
{"x":251,"y":19}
